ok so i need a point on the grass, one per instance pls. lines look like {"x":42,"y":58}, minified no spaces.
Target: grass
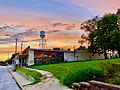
{"x":34,"y":74}
{"x":71,"y":72}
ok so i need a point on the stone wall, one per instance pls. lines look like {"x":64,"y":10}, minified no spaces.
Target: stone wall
{"x":94,"y":85}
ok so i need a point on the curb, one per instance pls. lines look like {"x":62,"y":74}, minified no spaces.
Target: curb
{"x":15,"y":80}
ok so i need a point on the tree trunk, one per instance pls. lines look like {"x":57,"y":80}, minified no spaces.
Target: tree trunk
{"x":105,"y":54}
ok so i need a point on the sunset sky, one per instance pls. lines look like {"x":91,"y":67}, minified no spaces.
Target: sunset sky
{"x":60,"y":19}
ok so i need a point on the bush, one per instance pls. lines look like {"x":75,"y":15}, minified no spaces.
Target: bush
{"x":114,"y":80}
{"x":111,"y":72}
{"x":110,"y":69}
{"x":81,"y":74}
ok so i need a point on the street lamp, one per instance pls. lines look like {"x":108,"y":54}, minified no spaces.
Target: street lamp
{"x":15,"y":40}
{"x":14,"y":62}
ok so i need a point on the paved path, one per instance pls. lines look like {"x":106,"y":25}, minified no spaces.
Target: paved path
{"x":6,"y":80}
{"x":21,"y":80}
{"x":49,"y":82}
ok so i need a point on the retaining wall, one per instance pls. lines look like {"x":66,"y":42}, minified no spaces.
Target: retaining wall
{"x":94,"y":85}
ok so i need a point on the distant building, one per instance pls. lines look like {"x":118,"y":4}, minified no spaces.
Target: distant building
{"x":30,"y":56}
{"x":118,"y":14}
{"x":81,"y":55}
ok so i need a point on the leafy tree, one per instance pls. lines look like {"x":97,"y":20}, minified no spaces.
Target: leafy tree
{"x":115,"y":40}
{"x":81,"y":48}
{"x":12,"y":57}
{"x":99,"y":30}
{"x":105,"y":26}
{"x":68,"y":49}
{"x":90,"y":27}
{"x":56,"y":49}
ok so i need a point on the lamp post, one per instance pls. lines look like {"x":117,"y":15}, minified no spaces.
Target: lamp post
{"x":15,"y":41}
{"x":14,"y":62}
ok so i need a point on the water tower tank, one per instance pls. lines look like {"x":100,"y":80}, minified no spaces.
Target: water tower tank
{"x":42,"y":34}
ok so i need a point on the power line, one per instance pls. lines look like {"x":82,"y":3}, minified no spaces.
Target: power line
{"x":20,"y":41}
{"x":6,"y":51}
{"x":30,"y":40}
{"x":6,"y":42}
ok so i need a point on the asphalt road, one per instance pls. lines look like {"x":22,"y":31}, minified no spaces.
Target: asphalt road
{"x":6,"y":80}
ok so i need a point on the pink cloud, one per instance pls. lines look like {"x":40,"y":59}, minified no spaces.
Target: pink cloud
{"x":99,"y":6}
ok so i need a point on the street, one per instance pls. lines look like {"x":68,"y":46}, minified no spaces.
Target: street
{"x":6,"y":80}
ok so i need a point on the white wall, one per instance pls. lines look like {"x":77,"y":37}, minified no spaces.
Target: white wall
{"x":16,"y":60}
{"x":69,"y":57}
{"x":81,"y":55}
{"x":30,"y":57}
{"x":97,"y":56}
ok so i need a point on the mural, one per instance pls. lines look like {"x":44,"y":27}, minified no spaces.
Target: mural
{"x":48,"y":56}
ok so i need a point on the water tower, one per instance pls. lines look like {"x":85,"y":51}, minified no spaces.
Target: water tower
{"x":42,"y":39}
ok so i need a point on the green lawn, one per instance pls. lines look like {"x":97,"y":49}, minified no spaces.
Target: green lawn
{"x":66,"y":71}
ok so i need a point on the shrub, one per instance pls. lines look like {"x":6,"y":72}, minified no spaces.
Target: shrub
{"x":110,"y":69}
{"x":111,"y":72}
{"x":81,"y":74}
{"x":114,"y":80}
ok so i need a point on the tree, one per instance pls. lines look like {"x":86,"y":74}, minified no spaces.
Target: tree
{"x":90,"y":27}
{"x":99,"y":30}
{"x":105,"y":26}
{"x":12,"y":57}
{"x":56,"y":49}
{"x":115,"y":40}
{"x":81,"y":48}
{"x":68,"y":49}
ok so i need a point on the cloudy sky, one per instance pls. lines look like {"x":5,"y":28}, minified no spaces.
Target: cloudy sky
{"x":60,"y":19}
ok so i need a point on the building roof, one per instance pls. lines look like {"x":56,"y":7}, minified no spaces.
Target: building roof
{"x":46,"y":50}
{"x":25,"y":51}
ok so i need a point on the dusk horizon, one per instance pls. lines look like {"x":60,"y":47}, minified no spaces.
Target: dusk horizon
{"x":60,"y":19}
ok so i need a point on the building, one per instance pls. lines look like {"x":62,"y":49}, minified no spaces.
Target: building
{"x":81,"y":55}
{"x":30,"y":56}
{"x":118,"y":14}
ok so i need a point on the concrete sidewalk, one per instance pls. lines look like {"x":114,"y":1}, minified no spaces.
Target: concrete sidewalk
{"x":20,"y":79}
{"x":48,"y":82}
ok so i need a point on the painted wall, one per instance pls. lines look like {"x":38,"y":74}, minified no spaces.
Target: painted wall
{"x":48,"y":56}
{"x":30,"y":57}
{"x":81,"y":55}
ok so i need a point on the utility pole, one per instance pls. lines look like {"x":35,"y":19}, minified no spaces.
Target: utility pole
{"x":74,"y":51}
{"x":21,"y":47}
{"x":15,"y":46}
{"x":8,"y":55}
